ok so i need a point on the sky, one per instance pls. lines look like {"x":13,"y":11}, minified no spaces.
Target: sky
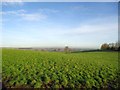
{"x":53,"y":24}
{"x":59,"y":0}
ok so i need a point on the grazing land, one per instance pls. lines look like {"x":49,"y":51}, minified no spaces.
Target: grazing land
{"x":42,"y":69}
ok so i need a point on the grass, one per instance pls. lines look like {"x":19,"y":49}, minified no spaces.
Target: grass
{"x":40,"y":69}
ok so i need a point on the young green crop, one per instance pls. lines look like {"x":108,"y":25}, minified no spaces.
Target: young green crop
{"x":40,"y":69}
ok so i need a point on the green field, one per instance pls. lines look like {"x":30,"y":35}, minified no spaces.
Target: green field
{"x":42,"y":69}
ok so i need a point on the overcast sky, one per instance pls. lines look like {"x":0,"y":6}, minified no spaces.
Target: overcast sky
{"x":38,"y":24}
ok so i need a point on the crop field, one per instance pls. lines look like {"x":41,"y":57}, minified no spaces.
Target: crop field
{"x":42,"y":69}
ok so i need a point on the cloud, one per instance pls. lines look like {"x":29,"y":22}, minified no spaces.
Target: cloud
{"x":12,"y":2}
{"x":101,"y":26}
{"x":40,"y":14}
{"x":17,"y":12}
{"x":33,"y":17}
{"x":24,"y":15}
{"x":47,"y":10}
{"x":79,"y":8}
{"x":98,"y":26}
{"x":94,"y":29}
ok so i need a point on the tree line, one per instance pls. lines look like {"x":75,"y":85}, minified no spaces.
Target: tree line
{"x":110,"y":46}
{"x":105,"y":46}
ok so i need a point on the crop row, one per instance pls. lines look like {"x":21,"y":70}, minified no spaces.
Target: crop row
{"x":36,"y":69}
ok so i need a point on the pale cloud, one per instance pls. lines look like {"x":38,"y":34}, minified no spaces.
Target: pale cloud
{"x":79,"y":8}
{"x":71,"y":0}
{"x":17,"y":12}
{"x":23,"y":14}
{"x":98,"y":29}
{"x":12,"y":2}
{"x":48,"y":10}
{"x":104,"y":28}
{"x":98,"y":26}
{"x":33,"y":17}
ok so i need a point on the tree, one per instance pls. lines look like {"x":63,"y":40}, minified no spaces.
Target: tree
{"x":66,"y":49}
{"x":110,"y":46}
{"x":117,"y":46}
{"x":104,"y":46}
